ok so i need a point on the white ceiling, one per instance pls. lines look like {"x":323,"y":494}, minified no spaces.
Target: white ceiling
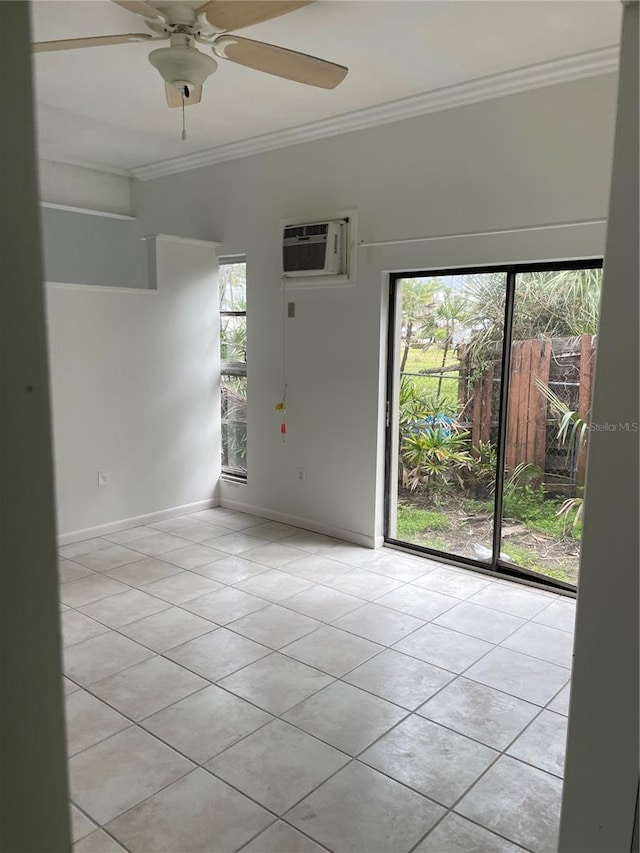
{"x":105,"y":106}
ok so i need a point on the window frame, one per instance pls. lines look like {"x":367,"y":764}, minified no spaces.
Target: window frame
{"x":231,"y":369}
{"x":497,"y":567}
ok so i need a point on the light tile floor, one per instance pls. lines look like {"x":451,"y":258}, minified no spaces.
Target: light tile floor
{"x":238,"y":684}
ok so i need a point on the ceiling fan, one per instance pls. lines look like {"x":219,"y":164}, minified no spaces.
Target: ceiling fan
{"x":184,"y":68}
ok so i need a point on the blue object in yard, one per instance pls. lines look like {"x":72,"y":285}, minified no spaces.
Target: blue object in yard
{"x":434,"y":422}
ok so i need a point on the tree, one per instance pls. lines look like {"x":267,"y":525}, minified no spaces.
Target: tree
{"x":417,"y":311}
{"x":233,"y":329}
{"x":451,"y":310}
{"x":562,"y":303}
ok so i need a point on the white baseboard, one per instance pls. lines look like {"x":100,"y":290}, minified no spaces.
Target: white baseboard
{"x":305,"y":523}
{"x":138,"y":521}
{"x":240,"y":506}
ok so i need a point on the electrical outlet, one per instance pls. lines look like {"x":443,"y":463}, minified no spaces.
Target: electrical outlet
{"x":103,"y":479}
{"x":302,"y":474}
{"x":291,"y":310}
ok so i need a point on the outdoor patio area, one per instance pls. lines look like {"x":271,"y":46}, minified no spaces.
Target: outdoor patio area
{"x":234,"y":683}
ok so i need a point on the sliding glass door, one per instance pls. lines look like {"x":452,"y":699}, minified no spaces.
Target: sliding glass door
{"x":489,"y":376}
{"x":446,"y":413}
{"x":552,"y":358}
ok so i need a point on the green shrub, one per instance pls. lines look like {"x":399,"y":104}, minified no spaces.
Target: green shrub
{"x":434,"y":456}
{"x":479,"y":477}
{"x":539,"y":512}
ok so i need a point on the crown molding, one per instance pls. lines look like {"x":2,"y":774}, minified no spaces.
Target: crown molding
{"x":56,"y":159}
{"x":88,"y":211}
{"x":593,"y":63}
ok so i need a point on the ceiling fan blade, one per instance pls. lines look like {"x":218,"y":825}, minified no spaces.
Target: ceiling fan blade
{"x":174,"y":97}
{"x":139,"y":7}
{"x":280,"y":61}
{"x":227,"y":15}
{"x":92,"y":41}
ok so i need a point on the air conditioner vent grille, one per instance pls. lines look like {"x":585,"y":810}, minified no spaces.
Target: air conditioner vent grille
{"x":306,"y":230}
{"x":309,"y":256}
{"x":314,"y":248}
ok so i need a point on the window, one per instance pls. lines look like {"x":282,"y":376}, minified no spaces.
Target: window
{"x":233,"y":366}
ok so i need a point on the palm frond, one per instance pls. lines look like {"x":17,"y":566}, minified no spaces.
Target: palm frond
{"x":572,"y":427}
{"x":568,"y":507}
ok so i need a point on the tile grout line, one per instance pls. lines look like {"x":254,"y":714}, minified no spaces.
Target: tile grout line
{"x":450,"y":812}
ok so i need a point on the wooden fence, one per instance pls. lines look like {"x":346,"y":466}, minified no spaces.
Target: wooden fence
{"x":566,"y":366}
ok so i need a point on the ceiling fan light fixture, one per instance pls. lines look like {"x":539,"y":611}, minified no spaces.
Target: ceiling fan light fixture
{"x":180,"y":65}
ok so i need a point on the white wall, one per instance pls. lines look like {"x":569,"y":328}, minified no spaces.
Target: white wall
{"x":601,"y":774}
{"x":92,"y":189}
{"x":81,"y":249}
{"x":528,"y":159}
{"x":134,"y":385}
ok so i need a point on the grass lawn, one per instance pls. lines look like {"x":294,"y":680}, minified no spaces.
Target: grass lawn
{"x":412,"y":521}
{"x":537,"y":513}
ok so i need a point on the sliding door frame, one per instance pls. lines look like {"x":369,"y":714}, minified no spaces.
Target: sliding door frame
{"x":496,"y":566}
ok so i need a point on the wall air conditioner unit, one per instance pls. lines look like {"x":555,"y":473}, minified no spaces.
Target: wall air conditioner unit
{"x":316,"y":248}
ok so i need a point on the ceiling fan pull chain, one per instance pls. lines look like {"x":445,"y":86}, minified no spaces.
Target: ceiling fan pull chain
{"x":184,"y":132}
